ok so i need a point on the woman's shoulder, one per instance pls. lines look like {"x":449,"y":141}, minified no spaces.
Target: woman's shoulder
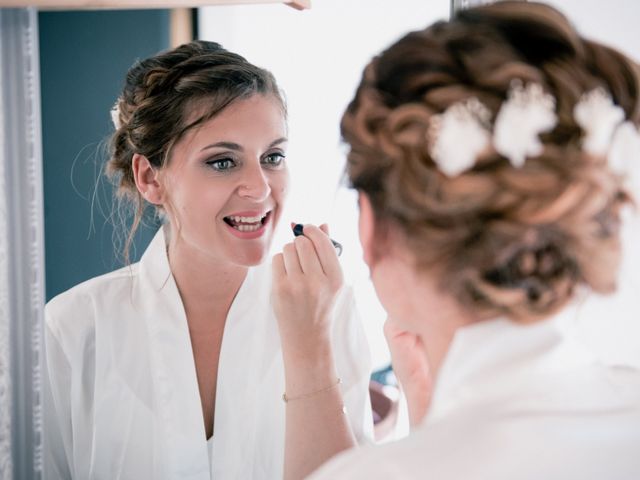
{"x":80,"y":300}
{"x":373,"y":462}
{"x":478,"y":441}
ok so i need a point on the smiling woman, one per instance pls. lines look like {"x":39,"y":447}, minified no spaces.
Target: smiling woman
{"x":175,"y":366}
{"x":227,"y":180}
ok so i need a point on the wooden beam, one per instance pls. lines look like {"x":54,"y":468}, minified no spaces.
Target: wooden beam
{"x":180,"y":26}
{"x":130,"y":4}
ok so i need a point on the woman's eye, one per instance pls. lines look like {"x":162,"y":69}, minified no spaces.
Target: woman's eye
{"x":222,"y":164}
{"x":273,"y":159}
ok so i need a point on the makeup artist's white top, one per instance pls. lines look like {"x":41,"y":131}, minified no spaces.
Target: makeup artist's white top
{"x":123,"y":399}
{"x":515,"y":402}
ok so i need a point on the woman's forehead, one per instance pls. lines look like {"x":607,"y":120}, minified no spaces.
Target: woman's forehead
{"x":252,"y":123}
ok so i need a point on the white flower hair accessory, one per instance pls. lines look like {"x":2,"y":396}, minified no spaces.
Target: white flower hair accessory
{"x":608,"y":134}
{"x":527,"y":113}
{"x":115,"y":115}
{"x":599,"y":117}
{"x":624,"y":155}
{"x":459,"y":135}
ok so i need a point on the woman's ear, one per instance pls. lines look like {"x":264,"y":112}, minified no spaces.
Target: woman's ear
{"x":146,"y":178}
{"x":366,"y":228}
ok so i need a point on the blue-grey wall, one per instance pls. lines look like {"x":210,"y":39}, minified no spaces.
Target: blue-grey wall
{"x":83,"y":60}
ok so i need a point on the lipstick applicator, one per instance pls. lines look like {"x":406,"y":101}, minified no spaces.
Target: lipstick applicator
{"x":297,"y":231}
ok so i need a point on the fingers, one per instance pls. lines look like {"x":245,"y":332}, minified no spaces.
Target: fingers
{"x":398,"y":339}
{"x":307,"y":256}
{"x":390,"y":330}
{"x":291,"y":261}
{"x":278,"y":272}
{"x":303,"y":290}
{"x":324,"y":248}
{"x":300,"y":258}
{"x":277,"y":266}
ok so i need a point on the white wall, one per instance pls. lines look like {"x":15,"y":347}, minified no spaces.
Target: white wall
{"x":613,"y":22}
{"x":612,"y":324}
{"x":318,"y":55}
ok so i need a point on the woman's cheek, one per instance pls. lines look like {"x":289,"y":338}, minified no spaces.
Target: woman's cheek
{"x":284,"y":184}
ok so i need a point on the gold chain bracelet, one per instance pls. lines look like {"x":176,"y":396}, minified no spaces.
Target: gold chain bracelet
{"x":311,"y":394}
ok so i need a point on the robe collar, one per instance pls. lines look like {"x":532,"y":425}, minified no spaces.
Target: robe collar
{"x":154,"y":262}
{"x":173,"y":366}
{"x":498,"y":358}
{"x":247,"y":325}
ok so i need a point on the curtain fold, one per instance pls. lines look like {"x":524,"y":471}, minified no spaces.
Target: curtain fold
{"x":21,"y":248}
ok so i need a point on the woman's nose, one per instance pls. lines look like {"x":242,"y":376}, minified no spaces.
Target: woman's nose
{"x":255,"y":184}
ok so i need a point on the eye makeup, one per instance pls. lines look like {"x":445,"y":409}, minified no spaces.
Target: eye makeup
{"x":222,"y":164}
{"x":297,"y":231}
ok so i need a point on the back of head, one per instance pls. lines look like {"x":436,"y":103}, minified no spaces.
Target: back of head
{"x":168,"y":94}
{"x":511,"y":240}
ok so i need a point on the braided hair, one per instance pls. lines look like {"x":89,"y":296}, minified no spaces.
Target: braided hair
{"x":513,"y":242}
{"x":167,"y":95}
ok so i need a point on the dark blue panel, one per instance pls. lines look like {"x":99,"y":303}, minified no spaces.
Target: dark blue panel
{"x":84,"y":57}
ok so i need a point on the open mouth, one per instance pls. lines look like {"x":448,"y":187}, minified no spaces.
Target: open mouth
{"x":247,"y":224}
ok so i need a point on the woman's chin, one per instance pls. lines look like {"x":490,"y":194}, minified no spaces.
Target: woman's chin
{"x":254,"y":262}
{"x":251,"y":257}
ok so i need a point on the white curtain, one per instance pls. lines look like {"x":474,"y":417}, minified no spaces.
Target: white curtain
{"x":5,"y":372}
{"x":21,"y":248}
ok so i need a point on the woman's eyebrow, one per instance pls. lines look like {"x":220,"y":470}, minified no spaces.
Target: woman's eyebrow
{"x":237,"y":147}
{"x":228,"y":145}
{"x":277,"y":142}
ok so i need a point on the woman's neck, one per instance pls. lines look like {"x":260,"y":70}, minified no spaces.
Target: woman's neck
{"x":437,"y":337}
{"x":207,"y":286}
{"x":435,"y":316}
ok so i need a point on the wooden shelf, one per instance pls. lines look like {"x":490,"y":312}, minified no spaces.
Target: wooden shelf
{"x":126,"y":4}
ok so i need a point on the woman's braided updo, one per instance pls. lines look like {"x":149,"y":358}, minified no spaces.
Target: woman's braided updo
{"x":158,"y":103}
{"x":510,"y":242}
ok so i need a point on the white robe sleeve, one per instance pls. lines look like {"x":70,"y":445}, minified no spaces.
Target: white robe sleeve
{"x":69,"y":384}
{"x":353,"y":360}
{"x":57,"y":408}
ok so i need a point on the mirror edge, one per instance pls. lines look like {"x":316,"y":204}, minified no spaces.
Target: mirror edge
{"x":21,"y":245}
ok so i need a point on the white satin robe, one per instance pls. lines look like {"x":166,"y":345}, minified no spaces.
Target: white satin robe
{"x":123,"y":402}
{"x":514,"y":402}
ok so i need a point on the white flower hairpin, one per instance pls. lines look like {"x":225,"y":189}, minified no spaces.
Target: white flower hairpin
{"x":608,"y":134}
{"x":599,"y":117}
{"x":115,"y":115}
{"x":624,"y":155}
{"x":527,"y":113}
{"x":463,"y":131}
{"x":459,"y":135}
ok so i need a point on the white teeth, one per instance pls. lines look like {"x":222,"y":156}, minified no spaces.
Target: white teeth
{"x":246,"y":224}
{"x":247,"y":228}
{"x":239,"y":219}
